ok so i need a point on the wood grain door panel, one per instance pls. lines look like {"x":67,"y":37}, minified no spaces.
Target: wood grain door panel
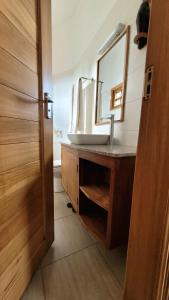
{"x":10,"y":252}
{"x":13,"y":176}
{"x":21,"y":49}
{"x":22,"y":219}
{"x":26,"y":204}
{"x":15,"y":278}
{"x":17,"y":76}
{"x":21,"y":106}
{"x":20,"y":17}
{"x":24,"y":194}
{"x":16,"y":155}
{"x":18,"y":131}
{"x":31,"y":7}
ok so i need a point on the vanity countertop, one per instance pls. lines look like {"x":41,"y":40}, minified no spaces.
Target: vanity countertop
{"x":108,"y":150}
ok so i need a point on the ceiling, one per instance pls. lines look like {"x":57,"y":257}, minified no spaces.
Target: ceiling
{"x":63,"y":10}
{"x":74,"y":26}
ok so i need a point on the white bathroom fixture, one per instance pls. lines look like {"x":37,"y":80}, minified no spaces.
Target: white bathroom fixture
{"x":88,"y":139}
{"x":116,"y":32}
{"x":58,"y":188}
{"x":111,"y":118}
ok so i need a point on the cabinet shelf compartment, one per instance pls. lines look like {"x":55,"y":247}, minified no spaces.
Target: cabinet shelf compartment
{"x":97,"y":194}
{"x":93,"y":217}
{"x":95,"y":182}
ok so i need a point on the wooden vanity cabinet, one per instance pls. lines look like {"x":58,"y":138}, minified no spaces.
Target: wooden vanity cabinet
{"x":100,"y":189}
{"x":70,"y":176}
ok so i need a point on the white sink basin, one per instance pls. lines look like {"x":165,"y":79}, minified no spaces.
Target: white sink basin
{"x":88,"y":139}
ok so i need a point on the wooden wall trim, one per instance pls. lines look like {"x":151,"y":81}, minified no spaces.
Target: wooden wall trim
{"x":46,"y":125}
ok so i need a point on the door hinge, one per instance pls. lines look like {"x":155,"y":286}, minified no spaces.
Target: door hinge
{"x":148,"y":84}
{"x":77,"y":168}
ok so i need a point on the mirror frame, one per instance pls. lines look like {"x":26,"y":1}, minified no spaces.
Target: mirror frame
{"x":126,"y":32}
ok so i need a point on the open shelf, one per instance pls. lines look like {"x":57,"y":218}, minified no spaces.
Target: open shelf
{"x":96,"y":224}
{"x":98,"y":194}
{"x":94,"y":217}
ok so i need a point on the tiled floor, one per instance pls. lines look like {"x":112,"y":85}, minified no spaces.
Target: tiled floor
{"x":77,"y":267}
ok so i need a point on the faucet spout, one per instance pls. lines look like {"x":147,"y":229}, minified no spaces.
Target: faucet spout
{"x":111,"y":118}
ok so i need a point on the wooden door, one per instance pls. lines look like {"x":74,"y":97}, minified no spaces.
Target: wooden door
{"x":26,"y":196}
{"x":147,"y":264}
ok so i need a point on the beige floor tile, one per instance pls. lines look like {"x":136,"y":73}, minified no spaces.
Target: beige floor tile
{"x":81,"y":276}
{"x":35,"y":289}
{"x":70,"y":236}
{"x":60,"y":206}
{"x":116,"y":259}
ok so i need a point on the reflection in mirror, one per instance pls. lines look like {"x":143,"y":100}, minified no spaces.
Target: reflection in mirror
{"x":111,"y":80}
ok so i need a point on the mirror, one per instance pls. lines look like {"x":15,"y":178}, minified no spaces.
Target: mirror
{"x":112,"y":69}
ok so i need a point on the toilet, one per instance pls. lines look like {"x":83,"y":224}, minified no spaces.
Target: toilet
{"x":58,"y":188}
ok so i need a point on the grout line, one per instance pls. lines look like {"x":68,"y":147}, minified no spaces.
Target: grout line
{"x":66,"y":256}
{"x":63,"y":192}
{"x":59,"y":218}
{"x":106,"y":262}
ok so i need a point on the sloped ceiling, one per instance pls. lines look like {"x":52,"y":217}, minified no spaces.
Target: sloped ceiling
{"x":74,"y":25}
{"x":63,"y":10}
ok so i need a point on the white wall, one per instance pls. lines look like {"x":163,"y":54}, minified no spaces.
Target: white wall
{"x":124,"y":12}
{"x":74,"y":25}
{"x":62,"y":93}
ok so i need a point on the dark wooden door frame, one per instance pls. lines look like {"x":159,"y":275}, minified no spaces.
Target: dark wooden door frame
{"x":148,"y":250}
{"x":45,"y":86}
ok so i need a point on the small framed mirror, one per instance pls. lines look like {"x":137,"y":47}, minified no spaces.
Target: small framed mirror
{"x":112,"y":69}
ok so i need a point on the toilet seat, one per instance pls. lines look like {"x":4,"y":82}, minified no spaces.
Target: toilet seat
{"x":57,"y":163}
{"x":58,"y":188}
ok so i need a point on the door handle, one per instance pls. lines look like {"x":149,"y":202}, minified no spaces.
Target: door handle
{"x":50,"y":101}
{"x":49,"y":106}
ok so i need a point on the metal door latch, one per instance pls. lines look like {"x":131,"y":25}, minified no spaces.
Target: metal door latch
{"x":148,"y":83}
{"x":49,"y":105}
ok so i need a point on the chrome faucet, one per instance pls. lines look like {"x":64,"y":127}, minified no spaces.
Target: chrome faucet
{"x":111,"y":118}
